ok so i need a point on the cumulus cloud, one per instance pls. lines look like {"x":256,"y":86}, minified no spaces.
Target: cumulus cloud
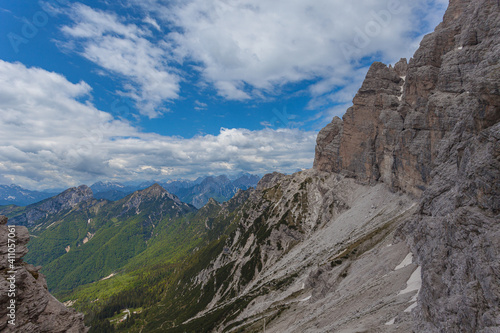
{"x":125,"y":50}
{"x":251,"y":48}
{"x":52,"y":136}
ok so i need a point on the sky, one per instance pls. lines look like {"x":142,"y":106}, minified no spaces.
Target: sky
{"x":154,"y":89}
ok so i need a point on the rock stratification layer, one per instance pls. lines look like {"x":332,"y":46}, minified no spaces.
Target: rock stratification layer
{"x":36,"y":310}
{"x":431,"y":128}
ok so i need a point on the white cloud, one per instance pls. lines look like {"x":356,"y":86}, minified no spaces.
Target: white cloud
{"x":153,"y":22}
{"x":200,"y":106}
{"x":125,"y":50}
{"x":52,"y":137}
{"x":249,"y":48}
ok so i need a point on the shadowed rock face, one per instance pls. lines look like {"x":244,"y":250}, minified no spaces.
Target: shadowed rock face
{"x":401,"y":115}
{"x":431,"y":128}
{"x":36,"y":309}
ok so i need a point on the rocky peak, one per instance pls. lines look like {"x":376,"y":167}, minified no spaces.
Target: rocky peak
{"x":154,"y":190}
{"x":73,"y":196}
{"x":153,"y":193}
{"x":212,"y":202}
{"x":431,"y":128}
{"x":401,"y":115}
{"x":269,"y":180}
{"x":68,"y":199}
{"x":36,"y":310}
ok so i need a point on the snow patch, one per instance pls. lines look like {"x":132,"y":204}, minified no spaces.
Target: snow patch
{"x":406,"y":261}
{"x":414,"y":282}
{"x":305,"y":299}
{"x":411,"y":307}
{"x":400,"y":98}
{"x":390,"y":322}
{"x":460,"y":47}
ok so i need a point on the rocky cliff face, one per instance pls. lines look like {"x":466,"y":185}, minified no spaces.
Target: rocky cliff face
{"x":402,"y":114}
{"x":36,"y":310}
{"x":431,"y":128}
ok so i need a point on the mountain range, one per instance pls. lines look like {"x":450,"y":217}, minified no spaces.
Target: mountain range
{"x":394,"y":229}
{"x":195,"y":192}
{"x":16,"y":195}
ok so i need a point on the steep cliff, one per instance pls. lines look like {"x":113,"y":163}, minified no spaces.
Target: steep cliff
{"x":431,"y":128}
{"x":34,"y":309}
{"x":402,"y":115}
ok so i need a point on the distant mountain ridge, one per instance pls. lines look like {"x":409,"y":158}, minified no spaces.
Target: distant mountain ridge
{"x":19,"y":196}
{"x":35,"y":213}
{"x":220,"y":188}
{"x":196,"y":192}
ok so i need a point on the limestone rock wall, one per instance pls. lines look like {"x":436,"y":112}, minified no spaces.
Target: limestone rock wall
{"x":430,"y":127}
{"x":401,"y":114}
{"x":36,"y":310}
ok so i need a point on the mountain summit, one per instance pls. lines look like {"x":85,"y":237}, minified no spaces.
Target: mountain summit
{"x":36,"y":213}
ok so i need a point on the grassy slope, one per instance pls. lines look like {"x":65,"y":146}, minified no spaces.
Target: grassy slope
{"x":148,"y":252}
{"x":177,"y":254}
{"x":117,"y":234}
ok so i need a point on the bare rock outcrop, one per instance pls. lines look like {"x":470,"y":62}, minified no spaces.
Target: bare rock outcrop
{"x":328,"y":145}
{"x":34,"y":309}
{"x":66,"y":200}
{"x":430,"y":127}
{"x":392,"y":133}
{"x":456,"y":238}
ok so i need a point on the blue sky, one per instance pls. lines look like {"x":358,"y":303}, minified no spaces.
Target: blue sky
{"x":129,"y":90}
